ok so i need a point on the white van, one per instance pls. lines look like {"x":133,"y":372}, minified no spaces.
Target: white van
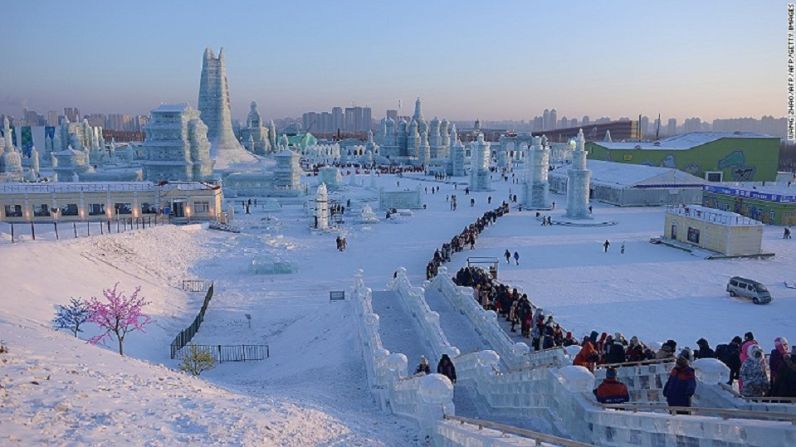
{"x":748,"y":288}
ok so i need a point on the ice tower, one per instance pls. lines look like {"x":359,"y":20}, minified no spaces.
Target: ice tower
{"x":215,"y":111}
{"x":578,"y":182}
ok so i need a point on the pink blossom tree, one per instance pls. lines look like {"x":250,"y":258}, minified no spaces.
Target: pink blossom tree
{"x":118,"y":315}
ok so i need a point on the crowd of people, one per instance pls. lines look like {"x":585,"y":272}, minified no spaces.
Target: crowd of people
{"x":466,"y":238}
{"x":756,"y":375}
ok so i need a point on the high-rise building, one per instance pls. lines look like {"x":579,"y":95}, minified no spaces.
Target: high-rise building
{"x":553,"y":119}
{"x":393,"y":114}
{"x":367,"y":119}
{"x":52,"y":118}
{"x":585,"y":120}
{"x":214,"y":106}
{"x":325,"y":122}
{"x":73,"y":113}
{"x":338,"y":119}
{"x":644,"y":126}
{"x":96,"y":119}
{"x":671,"y":127}
{"x":31,"y":118}
{"x":309,"y":121}
{"x":546,"y":120}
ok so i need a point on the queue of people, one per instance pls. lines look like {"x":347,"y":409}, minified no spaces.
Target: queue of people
{"x":466,"y":238}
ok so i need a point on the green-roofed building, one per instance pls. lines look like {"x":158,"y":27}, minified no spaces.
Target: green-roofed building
{"x":303,"y":140}
{"x":714,"y":156}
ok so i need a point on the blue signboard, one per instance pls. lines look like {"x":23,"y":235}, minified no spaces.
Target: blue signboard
{"x":768,"y":197}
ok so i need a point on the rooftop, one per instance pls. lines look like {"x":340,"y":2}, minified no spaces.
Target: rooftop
{"x":679,"y":142}
{"x":171,"y":108}
{"x":712,"y":215}
{"x":627,"y":174}
{"x":62,"y":187}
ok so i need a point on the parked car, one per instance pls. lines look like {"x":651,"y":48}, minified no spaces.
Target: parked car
{"x":749,"y":288}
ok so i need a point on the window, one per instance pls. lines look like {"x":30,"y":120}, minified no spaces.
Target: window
{"x":693,"y":235}
{"x":41,"y":210}
{"x":96,"y":209}
{"x":148,"y":208}
{"x":13,"y":210}
{"x":714,"y":176}
{"x":70,"y":209}
{"x":123,"y":208}
{"x":734,"y":283}
{"x":201,"y":207}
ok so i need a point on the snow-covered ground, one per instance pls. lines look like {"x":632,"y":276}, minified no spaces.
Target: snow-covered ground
{"x":312,"y":390}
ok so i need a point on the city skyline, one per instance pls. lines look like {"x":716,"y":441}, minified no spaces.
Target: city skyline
{"x":693,"y":67}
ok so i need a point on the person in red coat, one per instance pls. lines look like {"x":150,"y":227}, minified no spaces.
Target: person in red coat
{"x":587,"y":356}
{"x":611,"y":391}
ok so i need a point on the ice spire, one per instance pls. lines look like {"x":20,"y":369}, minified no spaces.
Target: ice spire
{"x":418,"y":112}
{"x":214,"y":106}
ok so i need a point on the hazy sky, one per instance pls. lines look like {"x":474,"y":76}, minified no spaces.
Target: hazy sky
{"x":466,"y":59}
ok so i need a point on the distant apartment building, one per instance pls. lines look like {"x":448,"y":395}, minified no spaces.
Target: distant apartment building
{"x":350,"y":119}
{"x":72,"y":113}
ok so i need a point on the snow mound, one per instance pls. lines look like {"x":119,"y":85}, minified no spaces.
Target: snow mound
{"x":58,"y":390}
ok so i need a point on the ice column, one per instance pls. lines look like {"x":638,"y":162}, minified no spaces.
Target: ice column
{"x":536,"y":184}
{"x":579,"y":179}
{"x":479,"y":171}
{"x":322,"y":208}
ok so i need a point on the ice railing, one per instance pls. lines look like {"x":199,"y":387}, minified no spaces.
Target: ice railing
{"x":516,"y":355}
{"x":564,"y":397}
{"x":428,"y":320}
{"x":644,"y":381}
{"x":423,"y":399}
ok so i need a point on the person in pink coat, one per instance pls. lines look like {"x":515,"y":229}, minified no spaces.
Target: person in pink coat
{"x":748,"y":340}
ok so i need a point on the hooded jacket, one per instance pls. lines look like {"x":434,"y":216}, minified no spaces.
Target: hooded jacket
{"x":753,"y":374}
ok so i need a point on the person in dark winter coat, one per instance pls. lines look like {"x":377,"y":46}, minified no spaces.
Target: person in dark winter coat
{"x":729,"y":354}
{"x":611,"y":391}
{"x":423,"y":367}
{"x":785,"y":385}
{"x":615,"y":352}
{"x":704,"y":351}
{"x":635,"y":351}
{"x":681,"y":384}
{"x":777,"y":356}
{"x":446,"y":368}
{"x":507,"y":254}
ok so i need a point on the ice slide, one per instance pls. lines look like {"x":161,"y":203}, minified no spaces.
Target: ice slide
{"x":398,"y":331}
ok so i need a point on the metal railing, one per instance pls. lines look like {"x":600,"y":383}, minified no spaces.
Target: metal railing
{"x":539,"y":438}
{"x":185,"y":335}
{"x":724,"y":413}
{"x":196,"y":285}
{"x":231,"y":353}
